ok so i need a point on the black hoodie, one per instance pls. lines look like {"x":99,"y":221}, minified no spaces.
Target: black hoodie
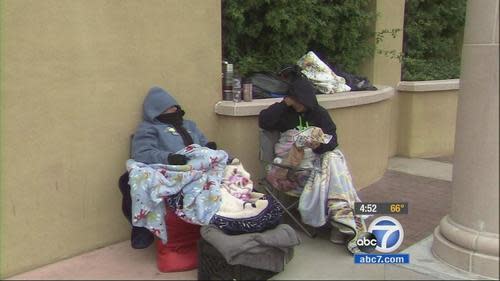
{"x":280,"y":117}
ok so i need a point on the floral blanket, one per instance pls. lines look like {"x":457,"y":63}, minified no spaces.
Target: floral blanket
{"x":198,"y":182}
{"x":326,"y":191}
{"x":237,"y":181}
{"x":291,"y":149}
{"x":322,"y":77}
{"x":330,"y":194}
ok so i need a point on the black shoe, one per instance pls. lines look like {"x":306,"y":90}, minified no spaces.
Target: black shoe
{"x":141,"y":238}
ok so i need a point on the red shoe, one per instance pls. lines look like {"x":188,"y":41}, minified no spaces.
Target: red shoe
{"x":181,"y":258}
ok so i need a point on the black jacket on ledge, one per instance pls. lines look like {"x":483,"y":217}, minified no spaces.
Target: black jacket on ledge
{"x":280,"y":117}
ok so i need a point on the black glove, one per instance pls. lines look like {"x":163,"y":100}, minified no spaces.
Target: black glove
{"x":211,"y":145}
{"x":177,"y":159}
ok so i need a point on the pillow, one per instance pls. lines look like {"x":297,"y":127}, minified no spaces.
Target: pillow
{"x":236,"y":216}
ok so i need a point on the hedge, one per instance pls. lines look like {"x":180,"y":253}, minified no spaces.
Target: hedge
{"x":265,"y":35}
{"x":433,"y":36}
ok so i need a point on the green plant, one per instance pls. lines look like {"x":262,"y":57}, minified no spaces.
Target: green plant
{"x":433,"y":39}
{"x":265,"y":35}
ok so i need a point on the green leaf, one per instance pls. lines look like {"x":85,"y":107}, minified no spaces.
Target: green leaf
{"x":265,"y":35}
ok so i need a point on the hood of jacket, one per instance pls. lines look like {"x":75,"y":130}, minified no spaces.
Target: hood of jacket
{"x":156,"y":102}
{"x":303,"y":90}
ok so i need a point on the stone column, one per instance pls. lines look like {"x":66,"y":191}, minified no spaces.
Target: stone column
{"x":467,"y":238}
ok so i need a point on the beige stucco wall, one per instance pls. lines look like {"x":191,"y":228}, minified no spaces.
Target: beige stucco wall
{"x":362,"y":132}
{"x":382,"y":69}
{"x":73,"y":77}
{"x":427,"y":123}
{"x":74,"y":74}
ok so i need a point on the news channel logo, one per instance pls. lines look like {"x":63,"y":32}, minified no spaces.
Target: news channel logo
{"x":385,"y":234}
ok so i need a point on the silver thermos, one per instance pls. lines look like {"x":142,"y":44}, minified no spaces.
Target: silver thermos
{"x":227,"y":93}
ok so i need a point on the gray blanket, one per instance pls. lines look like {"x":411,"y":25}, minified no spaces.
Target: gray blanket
{"x":269,"y":250}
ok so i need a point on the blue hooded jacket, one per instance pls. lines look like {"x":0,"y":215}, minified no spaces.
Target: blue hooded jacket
{"x":153,"y":140}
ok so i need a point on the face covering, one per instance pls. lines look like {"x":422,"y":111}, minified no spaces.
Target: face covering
{"x":171,"y":118}
{"x":175,"y":119}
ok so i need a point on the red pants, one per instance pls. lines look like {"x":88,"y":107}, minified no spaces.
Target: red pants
{"x":180,"y":253}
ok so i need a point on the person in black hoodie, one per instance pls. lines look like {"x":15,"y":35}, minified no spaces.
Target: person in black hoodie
{"x":300,"y":109}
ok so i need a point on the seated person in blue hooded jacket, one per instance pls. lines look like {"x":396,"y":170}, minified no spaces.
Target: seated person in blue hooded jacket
{"x":162,"y":133}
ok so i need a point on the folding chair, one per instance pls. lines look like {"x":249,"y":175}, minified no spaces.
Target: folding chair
{"x":266,"y":155}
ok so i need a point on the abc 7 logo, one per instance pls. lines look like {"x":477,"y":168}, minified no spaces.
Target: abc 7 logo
{"x":385,"y":234}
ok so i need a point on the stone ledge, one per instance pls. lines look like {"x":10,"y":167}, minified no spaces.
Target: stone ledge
{"x":428,"y":86}
{"x":338,"y":100}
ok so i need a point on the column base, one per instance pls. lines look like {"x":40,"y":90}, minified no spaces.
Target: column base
{"x":466,"y":249}
{"x":425,"y":266}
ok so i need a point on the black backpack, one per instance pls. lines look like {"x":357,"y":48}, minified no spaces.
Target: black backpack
{"x":267,"y":84}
